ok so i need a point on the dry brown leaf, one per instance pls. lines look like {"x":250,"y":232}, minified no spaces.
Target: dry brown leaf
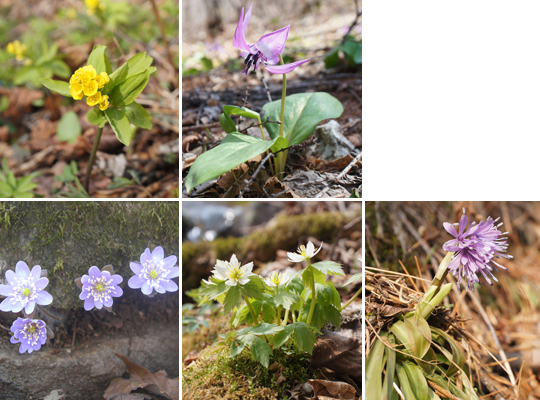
{"x":140,"y":377}
{"x":332,"y":390}
{"x":339,"y":351}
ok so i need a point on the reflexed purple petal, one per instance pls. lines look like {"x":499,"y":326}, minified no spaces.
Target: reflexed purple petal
{"x":136,"y":282}
{"x":94,"y":272}
{"x":239,"y":40}
{"x":44,"y":298}
{"x":41,"y":283}
{"x":89,"y":303}
{"x":451,"y":229}
{"x":173,"y":273}
{"x":146,"y":288}
{"x":158,"y":254}
{"x":169,"y":286}
{"x":22,"y":270}
{"x":6,"y":290}
{"x":29,"y":308}
{"x":135,"y":267}
{"x":13,"y":340}
{"x":284,"y":69}
{"x":272,"y":44}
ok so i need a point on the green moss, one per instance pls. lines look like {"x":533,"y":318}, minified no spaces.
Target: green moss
{"x":67,"y":238}
{"x":219,"y":376}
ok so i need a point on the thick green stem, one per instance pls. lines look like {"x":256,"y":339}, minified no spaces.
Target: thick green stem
{"x":286,"y":317}
{"x":313,"y":296}
{"x":251,"y":310}
{"x":293,"y":317}
{"x":351,"y":300}
{"x":278,"y":309}
{"x":92,"y":158}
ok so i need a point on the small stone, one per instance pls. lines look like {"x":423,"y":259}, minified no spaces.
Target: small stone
{"x":331,"y":144}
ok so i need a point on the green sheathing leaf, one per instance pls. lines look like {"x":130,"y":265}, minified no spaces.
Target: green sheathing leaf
{"x":98,"y":59}
{"x":138,"y":116}
{"x":120,"y":124}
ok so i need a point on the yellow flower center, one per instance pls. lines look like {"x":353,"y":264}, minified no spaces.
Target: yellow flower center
{"x":26,"y":292}
{"x":153,"y":274}
{"x":31,"y":328}
{"x":235,"y":274}
{"x":303,"y":251}
{"x":99,"y":287}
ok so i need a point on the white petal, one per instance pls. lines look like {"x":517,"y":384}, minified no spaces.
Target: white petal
{"x":234,"y":261}
{"x":317,"y":250}
{"x":243,"y":280}
{"x":293,"y":257}
{"x":269,"y":282}
{"x":221,"y":263}
{"x":220,"y":272}
{"x":230,"y":282}
{"x":247,"y":268}
{"x":310,"y":249}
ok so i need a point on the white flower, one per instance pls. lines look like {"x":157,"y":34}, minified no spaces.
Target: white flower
{"x":277,"y":279}
{"x":305,"y":253}
{"x":232,"y":273}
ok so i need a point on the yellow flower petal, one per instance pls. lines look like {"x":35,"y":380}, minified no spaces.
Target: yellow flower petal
{"x":93,"y":100}
{"x":105,"y":77}
{"x":90,"y":88}
{"x":11,"y":48}
{"x":104,"y":103}
{"x":76,"y":95}
{"x":99,"y":80}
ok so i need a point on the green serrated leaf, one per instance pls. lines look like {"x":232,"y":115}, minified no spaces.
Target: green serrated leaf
{"x":260,"y":350}
{"x":329,"y":268}
{"x":268,"y":307}
{"x":285,"y":299}
{"x":353,"y":279}
{"x":255,"y":287}
{"x":138,"y":116}
{"x":59,"y":87}
{"x":232,"y":299}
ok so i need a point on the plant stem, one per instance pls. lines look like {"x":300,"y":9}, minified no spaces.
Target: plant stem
{"x":278,"y":309}
{"x":313,"y":296}
{"x":252,"y":312}
{"x":282,"y":157}
{"x":293,"y":317}
{"x":92,"y":158}
{"x":286,"y":317}
{"x":351,"y":300}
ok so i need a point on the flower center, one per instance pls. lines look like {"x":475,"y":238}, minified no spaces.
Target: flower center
{"x":235,"y":274}
{"x":26,"y":292}
{"x":153,"y":274}
{"x":303,"y":251}
{"x":101,"y":288}
{"x":253,"y":60}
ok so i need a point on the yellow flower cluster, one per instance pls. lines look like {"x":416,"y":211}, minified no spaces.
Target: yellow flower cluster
{"x":92,"y":5}
{"x":85,"y":82}
{"x":16,"y":48}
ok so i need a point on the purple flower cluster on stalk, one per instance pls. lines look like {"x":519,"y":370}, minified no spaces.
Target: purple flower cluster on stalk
{"x":475,"y":247}
{"x":99,"y":287}
{"x":154,"y":273}
{"x":24,"y":289}
{"x":30,"y":333}
{"x":267,"y":49}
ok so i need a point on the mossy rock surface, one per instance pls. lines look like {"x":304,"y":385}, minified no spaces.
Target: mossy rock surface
{"x":67,"y":238}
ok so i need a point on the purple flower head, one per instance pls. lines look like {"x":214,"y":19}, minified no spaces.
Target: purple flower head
{"x":30,"y":333}
{"x":24,"y":289}
{"x":266,"y":50}
{"x":475,"y":247}
{"x":154,"y":273}
{"x":99,"y":287}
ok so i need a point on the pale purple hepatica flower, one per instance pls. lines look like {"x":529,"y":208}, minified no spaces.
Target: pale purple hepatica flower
{"x":266,"y":50}
{"x":98,"y":288}
{"x":475,"y":248}
{"x":154,"y":273}
{"x":30,"y":333}
{"x":24,"y":289}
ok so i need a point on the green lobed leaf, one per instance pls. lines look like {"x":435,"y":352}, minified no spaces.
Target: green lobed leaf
{"x":303,"y":112}
{"x":332,"y":314}
{"x":263,"y":329}
{"x":285,"y":299}
{"x":232,"y":299}
{"x":260,"y":350}
{"x":268,"y":307}
{"x":69,"y":128}
{"x":319,"y":317}
{"x":234,"y":150}
{"x":255,"y":287}
{"x":212,"y":292}
{"x":242,"y":111}
{"x":98,"y":59}
{"x":328,"y":294}
{"x":329,"y":268}
{"x":353,"y":279}
{"x":59,"y":87}
{"x":237,"y":346}
{"x":138,"y":116}
{"x":127,"y":91}
{"x":120,"y":124}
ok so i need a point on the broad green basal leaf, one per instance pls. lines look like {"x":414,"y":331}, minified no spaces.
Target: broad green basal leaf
{"x":234,"y":150}
{"x":303,"y":112}
{"x":120,"y":124}
{"x":242,"y":111}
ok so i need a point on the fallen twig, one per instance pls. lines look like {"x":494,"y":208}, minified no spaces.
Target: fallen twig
{"x":348,"y":167}
{"x":248,"y":183}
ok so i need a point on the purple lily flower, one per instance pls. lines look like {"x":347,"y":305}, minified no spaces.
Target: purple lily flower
{"x":24,"y":289}
{"x":266,"y":50}
{"x":154,"y":273}
{"x":30,"y":333}
{"x":98,"y":288}
{"x":475,"y":248}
